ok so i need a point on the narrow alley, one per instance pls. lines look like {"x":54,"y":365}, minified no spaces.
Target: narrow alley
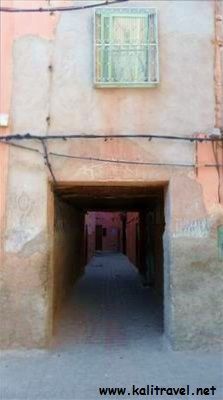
{"x":109,"y":335}
{"x":110,"y":307}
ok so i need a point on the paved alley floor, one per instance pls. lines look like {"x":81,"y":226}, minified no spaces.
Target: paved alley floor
{"x":110,"y":335}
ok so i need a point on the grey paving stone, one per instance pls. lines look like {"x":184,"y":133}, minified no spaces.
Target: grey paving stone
{"x":110,"y":335}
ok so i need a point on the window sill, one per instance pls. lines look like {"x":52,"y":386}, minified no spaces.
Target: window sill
{"x":144,"y":85}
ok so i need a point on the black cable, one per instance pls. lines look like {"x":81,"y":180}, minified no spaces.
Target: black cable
{"x":21,"y":146}
{"x":47,"y":161}
{"x":45,"y":155}
{"x":29,"y":136}
{"x":107,"y":160}
{"x":130,"y":161}
{"x":60,"y":9}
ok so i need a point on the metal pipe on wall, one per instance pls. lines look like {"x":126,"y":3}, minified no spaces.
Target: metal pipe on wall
{"x":218,"y":65}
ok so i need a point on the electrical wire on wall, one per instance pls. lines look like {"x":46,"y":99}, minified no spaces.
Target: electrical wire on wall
{"x":149,"y":136}
{"x":105,"y":160}
{"x":58,"y":9}
{"x":217,"y":143}
{"x":10,"y":140}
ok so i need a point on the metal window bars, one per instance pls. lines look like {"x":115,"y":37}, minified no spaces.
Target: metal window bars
{"x":126,"y":48}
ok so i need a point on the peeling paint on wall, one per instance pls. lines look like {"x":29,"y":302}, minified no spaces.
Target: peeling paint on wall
{"x":18,"y":238}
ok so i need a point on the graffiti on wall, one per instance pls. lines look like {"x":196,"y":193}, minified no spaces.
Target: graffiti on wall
{"x":20,"y":225}
{"x":198,"y":228}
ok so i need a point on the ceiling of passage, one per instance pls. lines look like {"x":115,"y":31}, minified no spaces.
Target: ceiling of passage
{"x":109,"y":197}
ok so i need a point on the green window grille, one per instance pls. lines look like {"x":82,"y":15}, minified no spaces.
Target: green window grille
{"x":126,"y":47}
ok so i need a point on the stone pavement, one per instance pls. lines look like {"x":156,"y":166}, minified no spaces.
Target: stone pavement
{"x":109,"y":335}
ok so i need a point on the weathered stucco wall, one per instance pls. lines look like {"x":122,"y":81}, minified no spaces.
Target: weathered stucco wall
{"x":61,"y":99}
{"x":193,"y":281}
{"x":25,"y":274}
{"x":5,"y":86}
{"x":12,"y":26}
{"x":131,"y":236}
{"x":176,"y":106}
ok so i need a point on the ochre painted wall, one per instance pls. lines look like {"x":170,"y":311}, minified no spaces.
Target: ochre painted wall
{"x":68,"y":251}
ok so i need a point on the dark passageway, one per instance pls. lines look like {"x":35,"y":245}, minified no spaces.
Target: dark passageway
{"x":118,"y":297}
{"x":109,"y":306}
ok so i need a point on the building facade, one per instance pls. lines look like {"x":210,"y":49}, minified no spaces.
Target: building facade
{"x":132,"y":69}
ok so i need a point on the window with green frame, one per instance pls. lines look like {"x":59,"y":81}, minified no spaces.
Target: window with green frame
{"x":126,"y":47}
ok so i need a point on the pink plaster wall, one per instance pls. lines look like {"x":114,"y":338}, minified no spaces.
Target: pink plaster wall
{"x":13,"y":26}
{"x":112,"y":241}
{"x":43,"y":24}
{"x":210,"y":179}
{"x":112,"y":222}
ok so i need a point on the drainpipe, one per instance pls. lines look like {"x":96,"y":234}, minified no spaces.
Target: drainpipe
{"x":218,"y":78}
{"x":218,"y":65}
